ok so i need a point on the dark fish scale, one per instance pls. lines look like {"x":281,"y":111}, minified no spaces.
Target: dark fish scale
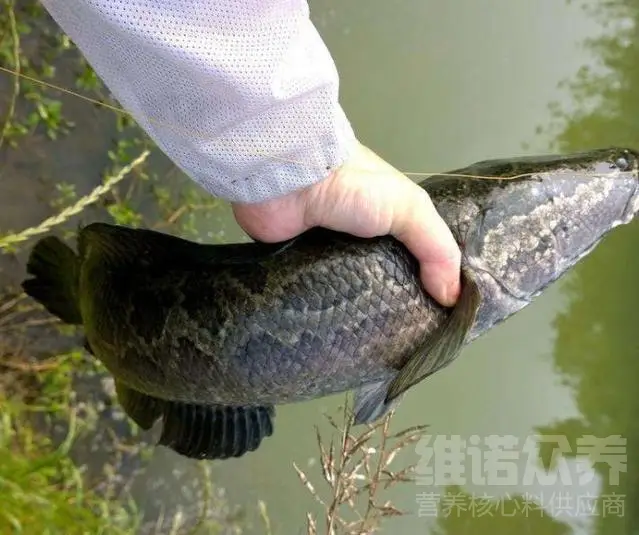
{"x":155,"y":314}
{"x":287,"y":320}
{"x":254,"y":278}
{"x":313,"y":319}
{"x":295,"y":302}
{"x":335,"y":314}
{"x":202,"y":306}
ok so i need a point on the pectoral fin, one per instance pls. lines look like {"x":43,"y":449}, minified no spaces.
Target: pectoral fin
{"x":142,"y":409}
{"x":443,"y":346}
{"x":370,"y":404}
{"x":215,"y":431}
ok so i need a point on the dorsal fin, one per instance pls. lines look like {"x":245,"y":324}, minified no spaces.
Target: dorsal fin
{"x":126,"y":245}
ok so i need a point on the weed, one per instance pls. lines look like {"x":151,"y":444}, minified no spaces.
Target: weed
{"x":356,"y":468}
{"x":41,"y":490}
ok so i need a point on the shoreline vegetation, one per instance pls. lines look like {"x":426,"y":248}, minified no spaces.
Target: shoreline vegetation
{"x":58,"y":411}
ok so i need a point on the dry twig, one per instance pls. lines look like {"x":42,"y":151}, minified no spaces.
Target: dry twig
{"x":356,"y":471}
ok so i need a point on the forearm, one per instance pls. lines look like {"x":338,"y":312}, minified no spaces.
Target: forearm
{"x":240,"y":94}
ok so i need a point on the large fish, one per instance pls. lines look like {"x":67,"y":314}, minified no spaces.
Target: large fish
{"x":210,"y":337}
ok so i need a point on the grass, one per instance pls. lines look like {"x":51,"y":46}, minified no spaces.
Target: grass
{"x":42,"y":491}
{"x":43,"y":488}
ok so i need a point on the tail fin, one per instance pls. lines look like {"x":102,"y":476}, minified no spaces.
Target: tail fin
{"x":55,"y":268}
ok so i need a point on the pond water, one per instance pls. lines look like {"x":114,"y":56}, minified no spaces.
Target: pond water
{"x":431,"y":86}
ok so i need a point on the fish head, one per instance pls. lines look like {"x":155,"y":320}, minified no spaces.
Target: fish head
{"x":526,"y":233}
{"x":518,"y":236}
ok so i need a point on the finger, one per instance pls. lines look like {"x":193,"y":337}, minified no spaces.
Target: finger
{"x":421,"y":229}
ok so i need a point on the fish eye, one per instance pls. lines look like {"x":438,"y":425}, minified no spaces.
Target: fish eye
{"x":624,"y":160}
{"x":622,"y":163}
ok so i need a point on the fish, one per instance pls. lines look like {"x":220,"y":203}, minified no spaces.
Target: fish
{"x":209,"y":338}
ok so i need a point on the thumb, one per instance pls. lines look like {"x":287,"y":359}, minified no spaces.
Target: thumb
{"x":421,"y":229}
{"x":416,"y":223}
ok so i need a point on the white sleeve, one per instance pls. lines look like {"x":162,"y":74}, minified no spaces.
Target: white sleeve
{"x":241,"y":94}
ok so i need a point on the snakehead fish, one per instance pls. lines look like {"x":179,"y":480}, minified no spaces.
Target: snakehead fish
{"x":209,"y":338}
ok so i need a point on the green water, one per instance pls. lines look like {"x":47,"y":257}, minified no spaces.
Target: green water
{"x":431,"y":86}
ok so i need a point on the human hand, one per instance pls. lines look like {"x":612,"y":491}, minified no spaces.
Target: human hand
{"x":366,"y":197}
